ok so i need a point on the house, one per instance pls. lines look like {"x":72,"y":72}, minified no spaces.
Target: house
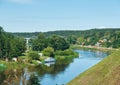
{"x":103,"y":40}
{"x":98,"y":44}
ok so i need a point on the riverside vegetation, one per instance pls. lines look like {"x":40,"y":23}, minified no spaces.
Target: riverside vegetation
{"x":14,"y":47}
{"x":53,"y":43}
{"x":109,"y":37}
{"x":58,"y":47}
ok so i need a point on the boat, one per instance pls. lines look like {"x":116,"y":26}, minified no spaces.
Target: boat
{"x":49,"y":60}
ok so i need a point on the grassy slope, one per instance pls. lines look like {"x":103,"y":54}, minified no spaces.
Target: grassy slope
{"x":107,"y":72}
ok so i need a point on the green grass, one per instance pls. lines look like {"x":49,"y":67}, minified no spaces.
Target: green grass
{"x":107,"y":72}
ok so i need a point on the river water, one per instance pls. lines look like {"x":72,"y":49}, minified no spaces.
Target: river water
{"x":56,"y":74}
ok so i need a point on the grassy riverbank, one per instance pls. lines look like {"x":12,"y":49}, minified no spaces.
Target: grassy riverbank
{"x":32,"y":60}
{"x":104,"y":49}
{"x":107,"y":72}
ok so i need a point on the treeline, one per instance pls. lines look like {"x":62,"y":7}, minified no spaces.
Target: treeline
{"x":67,"y":33}
{"x":110,"y":38}
{"x":100,"y":37}
{"x":26,"y":34}
{"x":10,"y":46}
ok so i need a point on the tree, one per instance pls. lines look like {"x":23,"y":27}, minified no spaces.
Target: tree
{"x":80,"y":40}
{"x":21,"y":46}
{"x":1,"y":30}
{"x":116,"y":39}
{"x":10,"y":46}
{"x":34,"y":55}
{"x":40,"y":43}
{"x":49,"y":51}
{"x":1,"y":42}
{"x":72,"y":39}
{"x":58,"y":43}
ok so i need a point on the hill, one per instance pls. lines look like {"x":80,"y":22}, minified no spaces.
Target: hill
{"x":107,"y":72}
{"x":67,"y":33}
{"x":109,"y":37}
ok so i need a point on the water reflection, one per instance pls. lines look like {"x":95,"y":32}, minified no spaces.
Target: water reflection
{"x":84,"y":54}
{"x":33,"y":80}
{"x":29,"y":76}
{"x":11,"y":77}
{"x":49,"y":64}
{"x":18,"y":77}
{"x":53,"y":69}
{"x":59,"y":73}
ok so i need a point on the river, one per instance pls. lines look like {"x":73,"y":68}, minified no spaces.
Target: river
{"x":56,"y":74}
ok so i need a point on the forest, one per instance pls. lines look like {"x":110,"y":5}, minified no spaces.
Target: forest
{"x":11,"y":46}
{"x":14,"y":44}
{"x":14,"y":47}
{"x":109,"y":37}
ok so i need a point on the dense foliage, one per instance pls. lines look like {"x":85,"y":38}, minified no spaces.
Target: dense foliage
{"x":39,"y":43}
{"x":54,"y":41}
{"x":66,"y":52}
{"x":103,"y":37}
{"x":10,"y":46}
{"x":58,"y":42}
{"x":49,"y":51}
{"x":71,"y":32}
{"x":106,"y":39}
{"x":34,"y":55}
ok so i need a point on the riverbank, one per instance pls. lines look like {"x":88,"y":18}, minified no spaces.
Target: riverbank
{"x":104,"y":73}
{"x":29,"y":60}
{"x":61,"y":72}
{"x":103,"y":49}
{"x":59,"y":56}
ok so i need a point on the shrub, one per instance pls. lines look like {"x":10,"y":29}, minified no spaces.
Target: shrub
{"x":65,"y":52}
{"x":49,"y":51}
{"x":34,"y":55}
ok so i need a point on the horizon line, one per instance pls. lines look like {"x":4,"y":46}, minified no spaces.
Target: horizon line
{"x":69,"y":30}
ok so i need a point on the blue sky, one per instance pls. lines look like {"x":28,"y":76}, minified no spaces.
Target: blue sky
{"x":51,"y":15}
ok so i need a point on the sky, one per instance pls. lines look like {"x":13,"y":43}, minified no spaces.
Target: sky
{"x":52,"y":15}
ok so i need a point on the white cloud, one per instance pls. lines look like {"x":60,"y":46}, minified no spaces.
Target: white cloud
{"x":21,"y":1}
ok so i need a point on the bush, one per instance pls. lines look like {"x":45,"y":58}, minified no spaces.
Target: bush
{"x":34,"y":55}
{"x":65,"y":52}
{"x":49,"y":51}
